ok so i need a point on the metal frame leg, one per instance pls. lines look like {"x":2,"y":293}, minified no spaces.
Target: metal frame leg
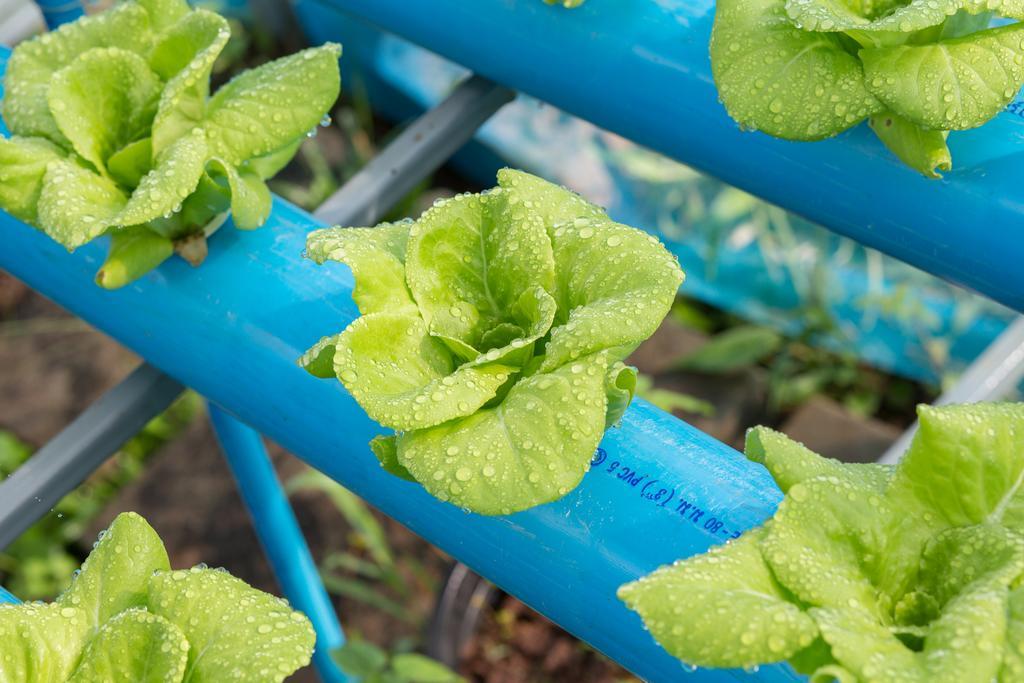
{"x":81,"y":447}
{"x":279,"y":533}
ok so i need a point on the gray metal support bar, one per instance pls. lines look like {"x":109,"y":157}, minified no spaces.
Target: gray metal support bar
{"x":81,"y":447}
{"x":991,"y":377}
{"x":417,"y":151}
{"x":97,"y":433}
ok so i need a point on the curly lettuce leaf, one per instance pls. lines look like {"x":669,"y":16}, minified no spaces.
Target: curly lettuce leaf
{"x":135,"y":645}
{"x":964,"y":465}
{"x":234,"y":631}
{"x":909,"y":575}
{"x":103,"y":100}
{"x":263,"y":109}
{"x":26,"y":108}
{"x":961,"y":646}
{"x":386,"y":450}
{"x":185,"y":57}
{"x":467,"y":262}
{"x":605,"y":301}
{"x":775,"y":77}
{"x":173,"y":178}
{"x":250,"y":197}
{"x":706,"y":592}
{"x":791,"y":463}
{"x":40,"y":642}
{"x":404,"y":378}
{"x":24,"y":162}
{"x":116,"y":574}
{"x":527,"y":450}
{"x":131,"y":163}
{"x":376,"y":257}
{"x":921,"y":149}
{"x":77,"y":205}
{"x":953,"y":84}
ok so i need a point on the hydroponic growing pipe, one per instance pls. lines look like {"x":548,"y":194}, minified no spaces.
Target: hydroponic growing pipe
{"x":232,"y":330}
{"x":641,"y":69}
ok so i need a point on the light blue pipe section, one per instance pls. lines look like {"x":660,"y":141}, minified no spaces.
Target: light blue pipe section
{"x":641,"y":69}
{"x":279,"y":533}
{"x":233,"y":328}
{"x":57,"y":12}
{"x":6,"y":597}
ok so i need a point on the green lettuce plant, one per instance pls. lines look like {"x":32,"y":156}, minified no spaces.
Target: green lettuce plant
{"x":115,"y":132}
{"x":865,"y":573}
{"x":810,"y":69}
{"x":492,"y":336}
{"x":127,"y":616}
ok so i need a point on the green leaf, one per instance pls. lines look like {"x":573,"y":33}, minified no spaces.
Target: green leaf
{"x":1013,"y":654}
{"x":129,"y":164}
{"x":164,"y":13}
{"x":468,"y":260}
{"x":386,"y":450}
{"x":77,"y":205}
{"x":24,"y":162}
{"x":116,"y":573}
{"x":40,"y":642}
{"x":268,"y":165}
{"x":360,"y":658}
{"x":175,"y":176}
{"x":957,"y":559}
{"x":791,"y":463}
{"x":961,"y":646}
{"x":27,"y":80}
{"x":250,"y":197}
{"x":134,"y":646}
{"x":415,"y":668}
{"x":964,"y":465}
{"x":950,"y":85}
{"x":103,"y":100}
{"x":525,"y":451}
{"x":691,"y":608}
{"x":133,"y":253}
{"x":185,"y":57}
{"x":377,"y":259}
{"x":605,"y":301}
{"x":890,"y":17}
{"x":319,"y":359}
{"x":775,"y":77}
{"x":235,"y":631}
{"x":555,"y":204}
{"x":736,"y":348}
{"x":825,"y":544}
{"x":268,"y":107}
{"x":620,"y":386}
{"x":923,"y":150}
{"x":405,"y":379}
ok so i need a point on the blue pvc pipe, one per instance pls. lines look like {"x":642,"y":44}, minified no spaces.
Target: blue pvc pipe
{"x":280,"y":536}
{"x":57,"y":12}
{"x":233,"y":328}
{"x":641,"y":69}
{"x":6,"y":597}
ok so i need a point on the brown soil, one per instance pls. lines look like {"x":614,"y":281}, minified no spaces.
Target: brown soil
{"x":517,"y":645}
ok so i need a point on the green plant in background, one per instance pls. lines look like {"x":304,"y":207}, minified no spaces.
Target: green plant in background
{"x":492,"y":335}
{"x":367,"y":570}
{"x":370,"y":664}
{"x":810,"y":69}
{"x":127,"y":616}
{"x":867,"y":572}
{"x":115,"y":132}
{"x":41,"y":562}
{"x":568,"y":4}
